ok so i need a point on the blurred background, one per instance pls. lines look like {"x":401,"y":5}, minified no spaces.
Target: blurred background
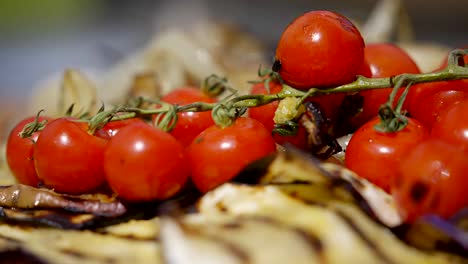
{"x":39,"y":38}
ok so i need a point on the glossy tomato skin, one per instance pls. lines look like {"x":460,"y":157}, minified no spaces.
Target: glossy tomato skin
{"x":189,"y":124}
{"x":218,"y":154}
{"x":384,"y":60}
{"x":376,"y":155}
{"x":452,"y":125}
{"x":112,"y":128}
{"x":19,"y":153}
{"x":431,"y":108}
{"x":419,"y":93}
{"x":319,"y":49}
{"x":144,"y":163}
{"x":432,"y":180}
{"x":68,"y":159}
{"x":265,"y":114}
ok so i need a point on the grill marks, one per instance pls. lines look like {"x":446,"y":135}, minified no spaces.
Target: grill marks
{"x":380,"y":254}
{"x":315,"y":243}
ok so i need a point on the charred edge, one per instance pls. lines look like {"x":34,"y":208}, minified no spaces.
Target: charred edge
{"x":186,"y":203}
{"x":79,"y":255}
{"x":378,"y":252}
{"x":314,"y":242}
{"x":232,"y":225}
{"x":20,"y":256}
{"x":350,"y":108}
{"x":128,"y":237}
{"x":254,"y":172}
{"x":10,"y":239}
{"x":239,"y":253}
{"x":361,"y":201}
{"x":447,"y":244}
{"x":55,"y":221}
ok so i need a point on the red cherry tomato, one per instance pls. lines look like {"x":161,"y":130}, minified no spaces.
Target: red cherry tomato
{"x":112,"y":128}
{"x":144,"y":163}
{"x":19,"y":153}
{"x":319,"y":49}
{"x":189,"y":124}
{"x":218,"y":154}
{"x":419,"y":93}
{"x":376,"y":156}
{"x":69,"y":159}
{"x":265,"y":114}
{"x":430,"y":109}
{"x":452,"y":125}
{"x":432,"y":180}
{"x":384,"y":60}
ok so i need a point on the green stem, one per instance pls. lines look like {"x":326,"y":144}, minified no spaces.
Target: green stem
{"x":234,"y":105}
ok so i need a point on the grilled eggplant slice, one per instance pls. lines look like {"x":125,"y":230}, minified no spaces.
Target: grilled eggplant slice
{"x":27,"y":197}
{"x":340,"y":231}
{"x":324,"y":181}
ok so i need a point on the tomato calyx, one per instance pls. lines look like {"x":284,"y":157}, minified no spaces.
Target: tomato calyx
{"x":266,"y":76}
{"x":35,"y":126}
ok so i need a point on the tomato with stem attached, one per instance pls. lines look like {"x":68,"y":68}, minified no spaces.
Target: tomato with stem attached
{"x":68,"y":159}
{"x":376,"y":155}
{"x":144,"y":163}
{"x":219,"y":153}
{"x":319,"y":49}
{"x":431,"y":180}
{"x":189,"y":124}
{"x":111,"y":129}
{"x":19,"y":152}
{"x":384,"y":60}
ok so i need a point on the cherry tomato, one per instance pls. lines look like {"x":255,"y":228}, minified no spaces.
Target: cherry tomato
{"x":419,"y":93}
{"x":319,"y":49}
{"x":112,"y":128}
{"x":218,"y":154}
{"x":189,"y":124}
{"x":432,"y":180}
{"x":19,"y":153}
{"x":376,"y":155}
{"x":430,"y":109}
{"x":384,"y":60}
{"x":452,"y":125}
{"x":265,"y":114}
{"x":69,"y":159}
{"x":144,"y":163}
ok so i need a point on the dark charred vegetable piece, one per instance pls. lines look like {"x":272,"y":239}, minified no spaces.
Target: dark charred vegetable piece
{"x":349,"y":109}
{"x":432,"y":232}
{"x":20,"y":204}
{"x":19,"y":256}
{"x":26,"y":197}
{"x":47,"y":218}
{"x":321,"y":142}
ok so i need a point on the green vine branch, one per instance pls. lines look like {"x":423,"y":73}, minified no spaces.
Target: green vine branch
{"x":225,"y":111}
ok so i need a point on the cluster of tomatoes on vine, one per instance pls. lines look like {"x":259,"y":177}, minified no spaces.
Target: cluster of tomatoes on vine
{"x":422,"y":163}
